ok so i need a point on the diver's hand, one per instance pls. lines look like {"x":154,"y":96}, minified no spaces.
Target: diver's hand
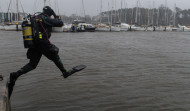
{"x":54,"y":15}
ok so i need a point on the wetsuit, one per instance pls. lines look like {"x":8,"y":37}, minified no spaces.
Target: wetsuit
{"x":42,"y":44}
{"x":42,"y":47}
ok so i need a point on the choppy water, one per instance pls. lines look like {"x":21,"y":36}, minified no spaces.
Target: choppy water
{"x":127,"y":71}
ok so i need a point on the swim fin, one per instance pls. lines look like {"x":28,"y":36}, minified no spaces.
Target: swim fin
{"x":74,"y":70}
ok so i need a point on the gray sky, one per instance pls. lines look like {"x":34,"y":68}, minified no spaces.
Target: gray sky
{"x":92,"y":7}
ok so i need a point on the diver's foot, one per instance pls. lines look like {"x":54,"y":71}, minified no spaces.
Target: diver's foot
{"x":73,"y":70}
{"x":13,"y":77}
{"x":68,"y":73}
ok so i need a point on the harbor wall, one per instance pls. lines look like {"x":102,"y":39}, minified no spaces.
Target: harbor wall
{"x":4,"y":98}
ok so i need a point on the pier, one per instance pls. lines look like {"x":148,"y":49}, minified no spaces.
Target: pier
{"x":4,"y":98}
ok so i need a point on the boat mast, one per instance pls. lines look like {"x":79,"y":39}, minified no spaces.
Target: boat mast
{"x":166,"y":13}
{"x":44,"y":2}
{"x":125,"y":12}
{"x":174,"y":15}
{"x":148,"y":17}
{"x":1,"y":11}
{"x":139,"y":12}
{"x":108,"y":13}
{"x":11,"y":12}
{"x":132,"y":16}
{"x":115,"y":12}
{"x":118,"y":15}
{"x":136,"y":18}
{"x":47,"y":3}
{"x":1,"y":8}
{"x":158,"y":16}
{"x":120,"y":12}
{"x":8,"y":15}
{"x":153,"y":14}
{"x":17,"y":11}
{"x":83,"y":8}
{"x":111,"y":13}
{"x":101,"y":12}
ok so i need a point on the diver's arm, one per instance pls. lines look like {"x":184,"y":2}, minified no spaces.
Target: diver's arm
{"x":52,"y":22}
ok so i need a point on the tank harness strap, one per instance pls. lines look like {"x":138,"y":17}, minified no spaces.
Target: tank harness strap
{"x":40,"y":35}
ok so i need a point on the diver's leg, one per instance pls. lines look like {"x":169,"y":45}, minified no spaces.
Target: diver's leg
{"x":52,"y":54}
{"x":34,"y":57}
{"x":56,"y":59}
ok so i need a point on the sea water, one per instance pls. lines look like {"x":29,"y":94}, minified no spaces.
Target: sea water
{"x":126,"y":71}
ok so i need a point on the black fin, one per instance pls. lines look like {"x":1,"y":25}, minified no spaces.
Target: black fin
{"x":79,"y":68}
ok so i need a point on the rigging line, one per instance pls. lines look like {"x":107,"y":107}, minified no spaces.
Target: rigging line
{"x":1,"y":7}
{"x":48,"y":2}
{"x":58,"y":7}
{"x":13,"y":6}
{"x":83,"y":9}
{"x":34,"y":9}
{"x":55,"y":6}
{"x":22,"y":7}
{"x":9,"y":6}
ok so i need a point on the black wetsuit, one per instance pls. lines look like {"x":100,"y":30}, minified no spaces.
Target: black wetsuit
{"x":42,"y":47}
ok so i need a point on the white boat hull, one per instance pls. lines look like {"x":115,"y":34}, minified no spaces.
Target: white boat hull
{"x":115,"y":29}
{"x":102,"y":29}
{"x":57,"y":29}
{"x":2,"y":28}
{"x":12,"y":27}
{"x":138,"y":28}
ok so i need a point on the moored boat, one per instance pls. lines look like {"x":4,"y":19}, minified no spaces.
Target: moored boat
{"x":184,"y":28}
{"x":90,"y":28}
{"x":13,"y":27}
{"x":102,"y":28}
{"x":2,"y":27}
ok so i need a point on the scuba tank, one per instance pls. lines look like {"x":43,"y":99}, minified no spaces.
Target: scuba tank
{"x":27,"y":34}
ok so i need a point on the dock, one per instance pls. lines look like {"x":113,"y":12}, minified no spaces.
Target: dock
{"x":4,"y":98}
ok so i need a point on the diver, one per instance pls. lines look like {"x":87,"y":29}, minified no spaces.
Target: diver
{"x":42,"y":47}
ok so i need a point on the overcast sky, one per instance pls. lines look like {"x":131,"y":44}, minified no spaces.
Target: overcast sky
{"x":92,"y":7}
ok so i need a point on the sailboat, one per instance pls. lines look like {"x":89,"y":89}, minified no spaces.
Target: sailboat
{"x":101,"y":26}
{"x":13,"y":25}
{"x":116,"y":27}
{"x":125,"y":26}
{"x":2,"y":17}
{"x":137,"y":19}
{"x":174,"y":28}
{"x":183,"y":28}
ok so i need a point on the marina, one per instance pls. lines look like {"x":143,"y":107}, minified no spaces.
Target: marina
{"x":114,"y":19}
{"x":102,"y":28}
{"x":126,"y":71}
{"x":128,"y":57}
{"x":119,"y":27}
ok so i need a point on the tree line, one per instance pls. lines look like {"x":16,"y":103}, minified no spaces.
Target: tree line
{"x":162,"y":16}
